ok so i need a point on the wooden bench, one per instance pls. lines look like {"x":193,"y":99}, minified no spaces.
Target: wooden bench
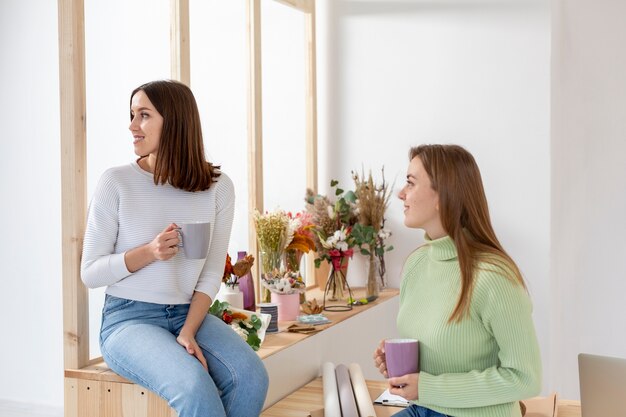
{"x":96,"y":391}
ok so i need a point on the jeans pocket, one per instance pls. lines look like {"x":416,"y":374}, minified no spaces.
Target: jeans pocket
{"x":113,"y":304}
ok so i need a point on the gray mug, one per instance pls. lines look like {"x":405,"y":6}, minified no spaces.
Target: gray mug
{"x":194,"y":239}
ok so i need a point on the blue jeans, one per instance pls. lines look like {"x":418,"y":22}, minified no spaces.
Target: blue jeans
{"x":138,"y":341}
{"x":418,"y":411}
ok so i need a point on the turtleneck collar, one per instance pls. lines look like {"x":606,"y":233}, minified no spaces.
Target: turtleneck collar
{"x":441,"y":249}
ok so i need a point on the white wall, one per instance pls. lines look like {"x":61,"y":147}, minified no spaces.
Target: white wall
{"x":474,"y":73}
{"x":589,"y":185}
{"x":31,"y":345}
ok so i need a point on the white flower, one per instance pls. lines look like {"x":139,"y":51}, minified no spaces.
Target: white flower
{"x":292,"y":225}
{"x":384,"y":233}
{"x":329,"y":243}
{"x":340,"y":235}
{"x":343,"y":246}
{"x":241,"y":332}
{"x":331,"y":212}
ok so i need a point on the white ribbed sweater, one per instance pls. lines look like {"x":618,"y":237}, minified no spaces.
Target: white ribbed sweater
{"x":128,"y":210}
{"x":483,"y":365}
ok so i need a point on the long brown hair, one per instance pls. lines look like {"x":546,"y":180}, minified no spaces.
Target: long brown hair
{"x":180,"y":157}
{"x":464,"y":214}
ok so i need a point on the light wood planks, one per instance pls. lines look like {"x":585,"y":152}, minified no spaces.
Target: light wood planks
{"x":311,"y":397}
{"x":311,"y":114}
{"x":273,"y":343}
{"x":255,"y":129}
{"x":73,"y":180}
{"x":91,"y":398}
{"x":180,"y":63}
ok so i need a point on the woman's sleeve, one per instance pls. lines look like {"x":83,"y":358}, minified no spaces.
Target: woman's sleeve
{"x":505,"y":310}
{"x":100,"y":265}
{"x":211,"y":275}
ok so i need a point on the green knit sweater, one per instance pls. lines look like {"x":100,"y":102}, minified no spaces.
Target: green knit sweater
{"x":483,"y":365}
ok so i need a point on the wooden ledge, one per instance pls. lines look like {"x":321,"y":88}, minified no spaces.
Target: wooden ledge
{"x":278,"y":341}
{"x":311,"y":397}
{"x":97,"y":370}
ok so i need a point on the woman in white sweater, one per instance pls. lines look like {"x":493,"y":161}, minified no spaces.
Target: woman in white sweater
{"x":155,"y":328}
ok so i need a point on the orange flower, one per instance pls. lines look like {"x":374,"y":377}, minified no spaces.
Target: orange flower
{"x":243,"y":266}
{"x":228,"y":269}
{"x":238,"y":315}
{"x":301,"y":242}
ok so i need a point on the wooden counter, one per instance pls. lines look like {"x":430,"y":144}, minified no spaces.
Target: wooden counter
{"x":310,"y":398}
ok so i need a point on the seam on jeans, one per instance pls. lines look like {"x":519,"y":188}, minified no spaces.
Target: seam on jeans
{"x":140,"y":380}
{"x":232,"y":371}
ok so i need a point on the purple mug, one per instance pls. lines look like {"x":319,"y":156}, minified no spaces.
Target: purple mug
{"x":401,"y":356}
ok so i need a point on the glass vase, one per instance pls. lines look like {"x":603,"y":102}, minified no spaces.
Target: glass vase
{"x":292,"y":262}
{"x":271,"y":262}
{"x":373,"y":287}
{"x":382,"y":271}
{"x":335,"y":285}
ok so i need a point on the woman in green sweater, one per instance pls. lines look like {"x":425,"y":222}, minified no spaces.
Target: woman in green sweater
{"x":462,"y":297}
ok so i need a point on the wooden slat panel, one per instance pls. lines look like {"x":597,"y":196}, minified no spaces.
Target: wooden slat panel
{"x":134,"y":401}
{"x":111,"y":399}
{"x":179,"y":41}
{"x":73,"y":180}
{"x":157,"y":406}
{"x":311,"y":101}
{"x":311,"y":115}
{"x":70,"y":403}
{"x":255,"y":128}
{"x":89,"y":398}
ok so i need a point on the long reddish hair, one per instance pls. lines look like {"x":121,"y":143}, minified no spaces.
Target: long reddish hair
{"x":464,"y":214}
{"x":180,"y":157}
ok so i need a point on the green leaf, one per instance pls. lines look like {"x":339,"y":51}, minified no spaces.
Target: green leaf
{"x":318,"y":262}
{"x":338,"y":191}
{"x":365,"y":252}
{"x":333,"y":183}
{"x":218,"y":307}
{"x":350,"y":196}
{"x":389,"y":248}
{"x":256,"y":322}
{"x":254,"y":341}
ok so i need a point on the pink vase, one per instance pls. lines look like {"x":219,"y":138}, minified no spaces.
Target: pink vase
{"x":288,"y":306}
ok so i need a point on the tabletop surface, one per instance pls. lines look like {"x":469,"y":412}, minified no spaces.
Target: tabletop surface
{"x":310,"y":398}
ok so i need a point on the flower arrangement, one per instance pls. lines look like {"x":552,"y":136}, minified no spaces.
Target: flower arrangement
{"x":369,"y":234}
{"x":302,"y":236}
{"x":287,"y":282}
{"x":246,"y":326}
{"x":333,"y":222}
{"x":302,"y":240}
{"x":273,"y":231}
{"x":232,"y":273}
